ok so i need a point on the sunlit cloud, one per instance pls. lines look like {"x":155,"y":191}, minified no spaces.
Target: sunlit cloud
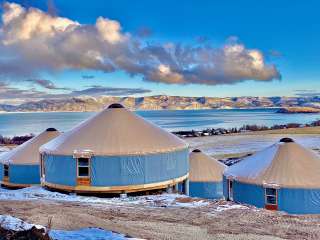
{"x":33,"y":42}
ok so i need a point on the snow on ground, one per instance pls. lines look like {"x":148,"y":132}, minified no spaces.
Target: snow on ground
{"x":87,"y":234}
{"x":16,"y":224}
{"x":225,"y":207}
{"x":11,"y":223}
{"x":161,"y":200}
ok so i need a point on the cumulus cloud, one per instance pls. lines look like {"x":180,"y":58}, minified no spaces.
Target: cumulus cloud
{"x":46,"y":84}
{"x":32,"y":41}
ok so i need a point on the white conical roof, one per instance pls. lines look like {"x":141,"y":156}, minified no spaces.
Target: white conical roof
{"x":28,"y":152}
{"x":115,"y":131}
{"x":284,"y":164}
{"x":204,"y":168}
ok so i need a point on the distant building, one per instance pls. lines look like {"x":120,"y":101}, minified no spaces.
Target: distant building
{"x":115,"y":151}
{"x":205,"y":176}
{"x":20,"y":166}
{"x":284,"y":176}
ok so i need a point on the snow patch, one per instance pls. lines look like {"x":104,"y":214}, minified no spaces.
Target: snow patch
{"x":161,"y":200}
{"x":87,"y":234}
{"x":225,"y":207}
{"x":16,"y":224}
{"x":11,"y":223}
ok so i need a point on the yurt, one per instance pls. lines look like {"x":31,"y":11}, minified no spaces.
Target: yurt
{"x":115,"y":151}
{"x":205,"y":176}
{"x":284,"y":176}
{"x":20,"y":166}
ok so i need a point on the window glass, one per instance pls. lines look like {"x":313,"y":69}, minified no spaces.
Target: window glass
{"x":83,"y":162}
{"x":83,"y":172}
{"x":271,"y":196}
{"x":83,"y":167}
{"x":271,"y":200}
{"x":271,"y":191}
{"x":6,"y":170}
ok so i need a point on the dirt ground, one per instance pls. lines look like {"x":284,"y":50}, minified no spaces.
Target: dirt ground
{"x":168,"y":223}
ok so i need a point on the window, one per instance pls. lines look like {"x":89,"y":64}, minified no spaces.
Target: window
{"x":83,"y":167}
{"x":271,"y":196}
{"x":6,"y":170}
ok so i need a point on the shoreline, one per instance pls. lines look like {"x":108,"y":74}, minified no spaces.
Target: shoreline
{"x":146,"y":110}
{"x":289,"y":128}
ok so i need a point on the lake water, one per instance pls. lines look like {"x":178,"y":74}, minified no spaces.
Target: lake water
{"x":24,"y":123}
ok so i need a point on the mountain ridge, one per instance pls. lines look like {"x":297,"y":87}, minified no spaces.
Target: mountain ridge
{"x":160,"y":102}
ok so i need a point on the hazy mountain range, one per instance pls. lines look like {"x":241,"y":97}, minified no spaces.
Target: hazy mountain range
{"x":160,"y":102}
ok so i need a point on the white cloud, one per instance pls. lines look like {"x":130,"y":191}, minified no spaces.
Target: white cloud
{"x":21,"y":25}
{"x":32,"y":41}
{"x":109,"y":30}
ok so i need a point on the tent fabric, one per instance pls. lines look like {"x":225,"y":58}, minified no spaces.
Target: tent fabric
{"x":28,"y":152}
{"x":115,"y":131}
{"x":24,"y":174}
{"x":246,"y":193}
{"x":1,"y":172}
{"x":284,"y":164}
{"x":118,"y":170}
{"x":290,"y":200}
{"x":299,"y":201}
{"x":209,"y":190}
{"x":60,"y":170}
{"x":204,"y":168}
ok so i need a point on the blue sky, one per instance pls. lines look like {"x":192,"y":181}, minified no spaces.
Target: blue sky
{"x":285,"y":32}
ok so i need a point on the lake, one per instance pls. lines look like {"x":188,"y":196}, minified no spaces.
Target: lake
{"x":24,"y":123}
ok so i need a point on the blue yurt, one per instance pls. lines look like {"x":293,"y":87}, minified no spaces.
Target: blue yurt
{"x":115,"y":151}
{"x":20,"y":166}
{"x":205,"y":176}
{"x":284,"y":176}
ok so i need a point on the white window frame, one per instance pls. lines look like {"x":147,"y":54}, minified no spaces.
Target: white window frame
{"x":88,"y":166}
{"x":268,"y":195}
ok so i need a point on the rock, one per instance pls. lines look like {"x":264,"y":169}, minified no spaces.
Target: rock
{"x":31,"y":234}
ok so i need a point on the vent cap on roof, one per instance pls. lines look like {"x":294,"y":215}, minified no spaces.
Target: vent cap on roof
{"x":196,"y":150}
{"x":286,"y":140}
{"x":51,"y":130}
{"x":116,"y":105}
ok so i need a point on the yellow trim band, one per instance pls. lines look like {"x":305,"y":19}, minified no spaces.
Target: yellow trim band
{"x":117,"y":189}
{"x":16,"y":185}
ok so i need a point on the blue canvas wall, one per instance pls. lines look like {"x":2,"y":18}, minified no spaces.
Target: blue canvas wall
{"x":24,"y":174}
{"x":290,"y":200}
{"x":1,"y":172}
{"x":225,"y":187}
{"x":299,"y":201}
{"x":246,"y":193}
{"x":119,"y":170}
{"x":209,"y":190}
{"x":60,"y":170}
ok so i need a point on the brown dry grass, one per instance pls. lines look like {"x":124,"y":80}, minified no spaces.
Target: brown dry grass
{"x":168,"y":223}
{"x":303,"y":130}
